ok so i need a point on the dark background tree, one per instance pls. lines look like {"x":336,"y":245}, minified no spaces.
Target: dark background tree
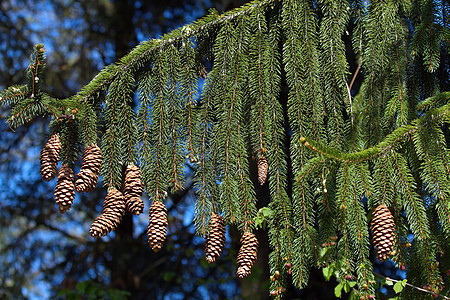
{"x":42,"y":252}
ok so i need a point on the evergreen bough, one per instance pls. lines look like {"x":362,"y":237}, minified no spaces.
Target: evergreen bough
{"x":346,"y":154}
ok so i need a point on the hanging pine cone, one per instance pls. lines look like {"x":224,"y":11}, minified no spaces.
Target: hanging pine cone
{"x":65,"y":189}
{"x":49,"y":157}
{"x":383,"y":228}
{"x":247,"y":254}
{"x":263,"y":167}
{"x":113,"y":211}
{"x":90,"y":169}
{"x":133,"y":190}
{"x":157,"y":225}
{"x":216,"y":238}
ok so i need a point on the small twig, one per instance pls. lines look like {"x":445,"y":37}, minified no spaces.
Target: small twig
{"x":67,"y":116}
{"x":354,"y":75}
{"x":413,"y":286}
{"x":64,"y":233}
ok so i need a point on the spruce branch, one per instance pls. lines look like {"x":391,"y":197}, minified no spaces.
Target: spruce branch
{"x":300,"y":57}
{"x":381,"y":23}
{"x":89,"y":121}
{"x":136,"y":58}
{"x":205,"y":197}
{"x":312,"y":165}
{"x":126,"y":119}
{"x":334,"y":66}
{"x":345,"y":247}
{"x":358,"y":227}
{"x":176,"y":139}
{"x":292,"y":72}
{"x":276,"y":260}
{"x":365,"y":179}
{"x":159,"y":113}
{"x":13,"y":95}
{"x":69,"y":140}
{"x":309,"y":21}
{"x":35,"y":69}
{"x":189,"y":84}
{"x":142,"y":53}
{"x":247,"y":194}
{"x":256,"y":83}
{"x":435,"y":169}
{"x":231,"y":52}
{"x":143,"y":126}
{"x":318,"y":182}
{"x":434,"y":101}
{"x":111,"y":143}
{"x":390,"y":141}
{"x":229,"y":126}
{"x":276,"y":155}
{"x":415,"y":211}
{"x":28,"y":101}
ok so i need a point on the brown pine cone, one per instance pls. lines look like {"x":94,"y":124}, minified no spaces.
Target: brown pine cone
{"x":50,"y":156}
{"x":113,"y":211}
{"x":90,"y":169}
{"x":383,"y":228}
{"x":157,"y":225}
{"x":263,"y":167}
{"x":133,"y":190}
{"x":65,"y":189}
{"x":247,"y":254}
{"x":216,"y":238}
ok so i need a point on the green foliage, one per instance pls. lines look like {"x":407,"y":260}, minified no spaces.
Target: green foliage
{"x":92,"y":290}
{"x":399,"y":286}
{"x":280,"y":88}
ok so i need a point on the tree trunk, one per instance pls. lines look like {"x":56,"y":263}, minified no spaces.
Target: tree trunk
{"x":124,"y":38}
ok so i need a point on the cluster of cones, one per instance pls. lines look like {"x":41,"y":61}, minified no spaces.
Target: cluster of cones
{"x":215,"y":242}
{"x":116,"y":202}
{"x":65,"y":185}
{"x":382,"y":225}
{"x":129,"y":198}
